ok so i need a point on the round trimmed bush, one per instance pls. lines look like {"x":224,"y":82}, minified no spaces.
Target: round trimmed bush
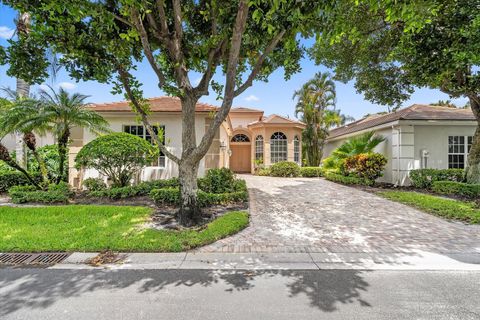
{"x":285,"y":169}
{"x":119,"y":156}
{"x":94,"y":184}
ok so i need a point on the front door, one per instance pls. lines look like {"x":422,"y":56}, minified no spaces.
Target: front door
{"x":240,"y":160}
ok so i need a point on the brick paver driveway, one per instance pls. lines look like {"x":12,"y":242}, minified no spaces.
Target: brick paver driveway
{"x":316,"y":215}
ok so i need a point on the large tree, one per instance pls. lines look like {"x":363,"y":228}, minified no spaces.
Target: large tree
{"x":104,"y":41}
{"x":388,"y":60}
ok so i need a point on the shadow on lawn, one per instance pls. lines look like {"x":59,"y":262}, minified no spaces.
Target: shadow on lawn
{"x":39,"y":289}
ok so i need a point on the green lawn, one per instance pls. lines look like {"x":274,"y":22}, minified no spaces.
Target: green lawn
{"x":447,"y":208}
{"x":96,"y":228}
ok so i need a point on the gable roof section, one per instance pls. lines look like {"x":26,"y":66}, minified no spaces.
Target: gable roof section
{"x":414,"y":112}
{"x":157,"y":104}
{"x":245,"y":110}
{"x":275,"y":119}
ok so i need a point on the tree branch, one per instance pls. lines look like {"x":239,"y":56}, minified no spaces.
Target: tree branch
{"x":212,"y":63}
{"x":124,"y":78}
{"x":146,"y":46}
{"x":258,"y":65}
{"x":177,"y":19}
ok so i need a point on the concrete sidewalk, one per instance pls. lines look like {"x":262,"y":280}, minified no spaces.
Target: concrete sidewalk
{"x":415,"y":260}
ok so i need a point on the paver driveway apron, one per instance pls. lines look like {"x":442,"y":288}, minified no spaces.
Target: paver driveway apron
{"x":316,"y":215}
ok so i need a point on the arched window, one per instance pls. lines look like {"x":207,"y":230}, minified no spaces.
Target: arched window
{"x":259,"y":148}
{"x":240,"y":138}
{"x":296,"y":149}
{"x":278,"y":147}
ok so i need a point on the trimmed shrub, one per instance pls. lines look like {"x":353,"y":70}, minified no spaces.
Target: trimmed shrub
{"x":365,"y":165}
{"x":424,"y":178}
{"x":171,"y":196}
{"x":166,"y":196}
{"x":56,"y":193}
{"x":94,"y":184}
{"x":9,"y":179}
{"x":352,"y":180}
{"x":141,"y":189}
{"x":457,"y":188}
{"x":217,"y":181}
{"x":311,"y":172}
{"x":263,"y":172}
{"x":284,"y":169}
{"x":119,"y":156}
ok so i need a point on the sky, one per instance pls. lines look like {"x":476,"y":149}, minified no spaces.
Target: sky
{"x":274,"y":96}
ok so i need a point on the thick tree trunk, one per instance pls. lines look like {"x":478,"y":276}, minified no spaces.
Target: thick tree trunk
{"x":473,"y":168}
{"x":62,"y":153}
{"x":31,"y":143}
{"x":189,"y":213}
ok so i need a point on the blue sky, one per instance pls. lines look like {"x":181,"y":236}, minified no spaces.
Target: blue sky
{"x":274,"y":96}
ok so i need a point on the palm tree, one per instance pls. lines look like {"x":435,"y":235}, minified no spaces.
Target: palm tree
{"x":62,"y":111}
{"x":316,"y":106}
{"x":364,"y":143}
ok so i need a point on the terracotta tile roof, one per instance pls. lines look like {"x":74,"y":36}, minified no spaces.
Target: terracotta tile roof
{"x":414,"y":112}
{"x":245,"y":110}
{"x":158,"y":104}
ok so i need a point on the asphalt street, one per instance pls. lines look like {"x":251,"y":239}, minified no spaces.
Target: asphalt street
{"x":216,"y":294}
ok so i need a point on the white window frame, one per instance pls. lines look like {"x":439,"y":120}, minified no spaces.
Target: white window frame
{"x":259,"y":152}
{"x":162,"y":159}
{"x":296,"y":149}
{"x":458,"y":149}
{"x":278,"y":147}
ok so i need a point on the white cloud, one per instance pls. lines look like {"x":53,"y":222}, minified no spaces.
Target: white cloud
{"x":67,"y":85}
{"x":6,"y":32}
{"x":251,"y":98}
{"x":43,"y":87}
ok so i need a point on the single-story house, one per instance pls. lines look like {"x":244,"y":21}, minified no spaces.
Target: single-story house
{"x":246,"y":137}
{"x":419,"y":136}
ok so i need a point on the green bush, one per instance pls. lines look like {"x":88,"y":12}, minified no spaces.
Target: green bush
{"x":217,"y":181}
{"x":28,"y":194}
{"x":365,"y":165}
{"x":311,"y":172}
{"x":263,"y":172}
{"x":119,"y":156}
{"x":166,"y":196}
{"x":424,"y":178}
{"x":50,"y":156}
{"x":171,"y":196}
{"x":141,"y":189}
{"x":353,"y":180}
{"x":94,"y":184}
{"x":457,"y":188}
{"x":9,"y":179}
{"x":284,"y":169}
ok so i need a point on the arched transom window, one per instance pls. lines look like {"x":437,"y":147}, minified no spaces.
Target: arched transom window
{"x":278,"y":147}
{"x":240,"y":138}
{"x":259,"y":148}
{"x":296,"y":149}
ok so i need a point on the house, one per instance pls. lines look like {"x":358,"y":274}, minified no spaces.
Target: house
{"x":420,"y":136}
{"x":245,"y":137}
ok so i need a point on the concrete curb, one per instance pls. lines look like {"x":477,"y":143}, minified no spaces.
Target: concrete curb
{"x":417,"y":260}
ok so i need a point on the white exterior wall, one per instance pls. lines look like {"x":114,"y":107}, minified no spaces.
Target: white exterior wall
{"x":173,"y":141}
{"x":434,"y":139}
{"x":402,"y":156}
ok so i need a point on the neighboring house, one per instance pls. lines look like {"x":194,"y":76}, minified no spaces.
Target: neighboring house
{"x":420,"y":136}
{"x":245,"y":136}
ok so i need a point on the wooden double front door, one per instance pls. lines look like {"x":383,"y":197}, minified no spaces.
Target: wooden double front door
{"x":240,"y":160}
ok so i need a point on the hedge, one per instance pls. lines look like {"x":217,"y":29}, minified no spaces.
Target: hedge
{"x":352,"y":180}
{"x":141,"y":189}
{"x":311,"y":172}
{"x":424,"y":178}
{"x":457,"y":188}
{"x":284,"y":169}
{"x":171,"y":196}
{"x":55,"y":194}
{"x":9,"y":179}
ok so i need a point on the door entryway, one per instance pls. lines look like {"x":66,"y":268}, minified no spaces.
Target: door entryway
{"x":240,"y":160}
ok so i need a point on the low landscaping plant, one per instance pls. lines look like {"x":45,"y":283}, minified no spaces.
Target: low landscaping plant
{"x":56,"y":193}
{"x":263,"y":172}
{"x":141,"y":189}
{"x":457,"y":188}
{"x":285,"y":169}
{"x":217,"y":181}
{"x":171,"y":196}
{"x":94,"y":184}
{"x":349,"y":180}
{"x":447,"y":208}
{"x":424,"y":178}
{"x":9,"y":179}
{"x":311,"y":172}
{"x":368,"y":166}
